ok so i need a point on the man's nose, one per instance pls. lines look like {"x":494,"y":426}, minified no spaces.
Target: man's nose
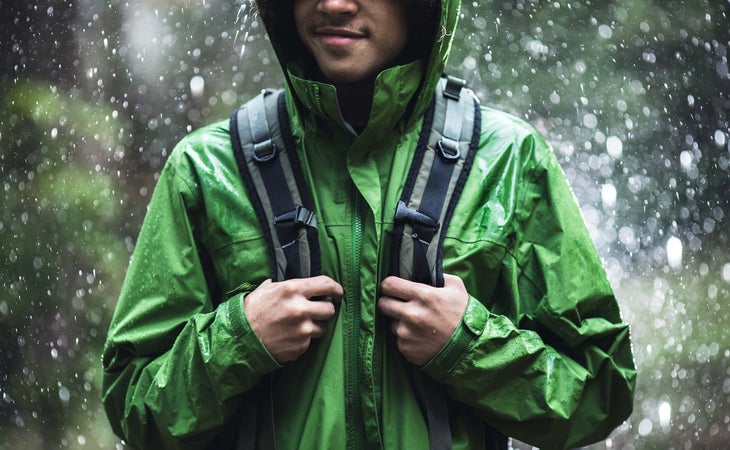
{"x":335,"y":7}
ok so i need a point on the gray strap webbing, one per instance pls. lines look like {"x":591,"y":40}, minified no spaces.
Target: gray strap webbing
{"x":435,"y":180}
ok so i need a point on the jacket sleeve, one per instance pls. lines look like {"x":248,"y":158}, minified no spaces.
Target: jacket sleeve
{"x":175,"y":365}
{"x":556,"y":369}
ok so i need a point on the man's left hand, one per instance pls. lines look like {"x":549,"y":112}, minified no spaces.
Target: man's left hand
{"x":423,"y":317}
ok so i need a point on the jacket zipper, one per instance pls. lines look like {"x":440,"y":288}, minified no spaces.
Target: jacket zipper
{"x":353,"y":363}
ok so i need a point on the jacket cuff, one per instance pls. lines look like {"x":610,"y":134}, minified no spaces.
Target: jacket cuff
{"x":256,"y":354}
{"x":469,"y":329}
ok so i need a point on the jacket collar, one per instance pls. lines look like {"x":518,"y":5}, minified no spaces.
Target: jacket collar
{"x":394,"y":89}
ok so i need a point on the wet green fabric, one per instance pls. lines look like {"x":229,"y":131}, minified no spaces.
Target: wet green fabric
{"x":541,"y":353}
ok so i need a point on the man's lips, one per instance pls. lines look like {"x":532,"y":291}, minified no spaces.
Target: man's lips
{"x":338,"y":36}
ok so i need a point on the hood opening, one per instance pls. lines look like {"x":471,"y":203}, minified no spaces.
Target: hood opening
{"x":278,"y":19}
{"x":431,"y":22}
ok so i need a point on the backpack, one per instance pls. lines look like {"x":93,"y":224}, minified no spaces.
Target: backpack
{"x":267,"y":160}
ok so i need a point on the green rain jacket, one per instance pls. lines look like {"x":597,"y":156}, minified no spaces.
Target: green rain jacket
{"x":541,"y":353}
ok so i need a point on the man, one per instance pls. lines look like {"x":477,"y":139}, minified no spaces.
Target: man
{"x":525,"y":335}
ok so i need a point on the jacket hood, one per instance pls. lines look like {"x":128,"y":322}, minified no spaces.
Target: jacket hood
{"x":402,"y":92}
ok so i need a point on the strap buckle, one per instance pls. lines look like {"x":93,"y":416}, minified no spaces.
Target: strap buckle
{"x":403,"y":212}
{"x":300,"y":216}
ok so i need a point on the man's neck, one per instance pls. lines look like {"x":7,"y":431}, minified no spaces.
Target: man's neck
{"x":355,"y":100}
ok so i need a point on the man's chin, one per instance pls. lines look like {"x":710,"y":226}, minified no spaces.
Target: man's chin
{"x":348,"y":75}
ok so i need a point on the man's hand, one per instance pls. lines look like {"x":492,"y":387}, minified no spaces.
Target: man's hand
{"x":284,"y":316}
{"x":423,"y":317}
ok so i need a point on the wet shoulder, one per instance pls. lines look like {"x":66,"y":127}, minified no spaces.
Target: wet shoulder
{"x":505,"y":135}
{"x":203,"y":152}
{"x":210,"y":141}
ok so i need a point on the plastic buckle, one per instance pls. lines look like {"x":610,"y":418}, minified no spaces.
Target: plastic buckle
{"x":403,"y":212}
{"x":303,"y":216}
{"x":298,"y":216}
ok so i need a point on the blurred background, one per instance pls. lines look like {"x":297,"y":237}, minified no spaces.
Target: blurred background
{"x":634,"y":96}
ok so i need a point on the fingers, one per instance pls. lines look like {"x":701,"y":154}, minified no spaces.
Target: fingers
{"x":391,"y":307}
{"x":397,"y":287}
{"x":320,"y":310}
{"x":319,"y":286}
{"x":395,"y":327}
{"x":422,"y":317}
{"x":452,"y":281}
{"x":319,"y":329}
{"x":286,"y":315}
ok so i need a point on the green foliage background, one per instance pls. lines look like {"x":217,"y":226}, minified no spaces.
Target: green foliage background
{"x":94,"y":95}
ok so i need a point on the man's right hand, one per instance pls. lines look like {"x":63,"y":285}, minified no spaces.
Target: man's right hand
{"x":284,"y":316}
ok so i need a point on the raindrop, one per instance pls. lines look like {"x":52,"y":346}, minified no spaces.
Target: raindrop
{"x":685,"y":159}
{"x":674,"y":252}
{"x":470,"y":63}
{"x":197,"y":85}
{"x":64,"y":394}
{"x":645,"y":427}
{"x":665,"y":414}
{"x":720,"y":138}
{"x":649,"y":57}
{"x":605,"y":31}
{"x":614,"y":147}
{"x":608,"y":196}
{"x":590,"y":120}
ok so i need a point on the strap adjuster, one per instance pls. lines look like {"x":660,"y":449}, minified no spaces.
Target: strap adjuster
{"x":403,"y":212}
{"x":300,"y":216}
{"x":448,"y":149}
{"x":453,"y":87}
{"x":264,"y":151}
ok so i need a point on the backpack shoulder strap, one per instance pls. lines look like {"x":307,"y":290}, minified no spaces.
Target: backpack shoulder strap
{"x":445,"y":152}
{"x":446,"y":149}
{"x":268,"y":163}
